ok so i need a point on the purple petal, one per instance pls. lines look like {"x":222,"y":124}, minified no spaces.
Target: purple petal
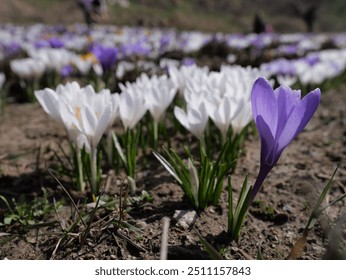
{"x":267,"y":142}
{"x":286,"y":102}
{"x":286,"y":98}
{"x":299,"y":118}
{"x":310,"y":103}
{"x":264,"y":104}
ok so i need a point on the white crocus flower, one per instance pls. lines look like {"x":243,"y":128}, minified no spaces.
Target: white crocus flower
{"x":194,"y":119}
{"x":81,"y":111}
{"x":85,"y":114}
{"x":286,"y":80}
{"x":82,"y":64}
{"x":93,"y":123}
{"x":159,"y":96}
{"x":223,"y":111}
{"x":238,"y":85}
{"x":53,"y":59}
{"x":28,"y":68}
{"x":131,"y":108}
{"x":50,"y":103}
{"x":242,"y":119}
{"x":184,"y":74}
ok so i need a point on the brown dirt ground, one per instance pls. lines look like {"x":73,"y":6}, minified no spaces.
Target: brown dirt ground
{"x":27,"y":141}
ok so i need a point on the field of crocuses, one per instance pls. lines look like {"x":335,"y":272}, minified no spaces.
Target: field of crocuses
{"x":238,"y":139}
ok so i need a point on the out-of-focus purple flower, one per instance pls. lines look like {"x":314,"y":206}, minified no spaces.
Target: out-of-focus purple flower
{"x":291,"y":49}
{"x":280,"y":116}
{"x":41,"y":44}
{"x":107,"y":56}
{"x":56,"y":43}
{"x":312,"y":59}
{"x":12,"y":49}
{"x":280,"y":66}
{"x":66,"y":71}
{"x":138,"y":48}
{"x":188,"y":61}
{"x":164,"y":42}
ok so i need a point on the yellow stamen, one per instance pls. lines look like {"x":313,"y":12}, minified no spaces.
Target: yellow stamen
{"x":77,"y":110}
{"x":89,"y":56}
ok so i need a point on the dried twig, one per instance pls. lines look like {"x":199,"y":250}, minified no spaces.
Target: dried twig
{"x":164,"y":239}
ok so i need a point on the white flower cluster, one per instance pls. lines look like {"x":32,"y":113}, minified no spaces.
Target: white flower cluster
{"x":329,"y":64}
{"x":154,"y":94}
{"x":314,"y":69}
{"x":223,"y":96}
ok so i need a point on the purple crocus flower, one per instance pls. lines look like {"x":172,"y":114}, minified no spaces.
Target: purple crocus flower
{"x":279,"y":116}
{"x":66,"y":71}
{"x":56,"y":43}
{"x":41,"y":44}
{"x":139,"y":48}
{"x":188,"y":61}
{"x":12,"y":49}
{"x":107,"y":56}
{"x":312,"y":59}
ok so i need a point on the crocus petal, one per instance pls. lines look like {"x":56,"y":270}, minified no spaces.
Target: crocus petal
{"x":103,"y":123}
{"x":125,"y":109}
{"x":310,"y":102}
{"x":268,"y":144}
{"x":299,"y":118}
{"x":49,"y":100}
{"x":264,"y":103}
{"x":89,"y":120}
{"x":287,"y":99}
{"x":181,"y":117}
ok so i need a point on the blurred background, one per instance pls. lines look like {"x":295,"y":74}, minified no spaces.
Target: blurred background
{"x":206,"y":15}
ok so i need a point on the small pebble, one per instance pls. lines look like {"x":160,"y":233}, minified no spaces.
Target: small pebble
{"x":141,"y":224}
{"x":185,"y":219}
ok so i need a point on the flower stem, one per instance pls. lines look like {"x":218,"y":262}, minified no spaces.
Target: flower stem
{"x":156,"y":129}
{"x":93,"y":168}
{"x":264,"y":170}
{"x":80,"y":170}
{"x":223,"y":137}
{"x":203,"y":144}
{"x":110,"y":148}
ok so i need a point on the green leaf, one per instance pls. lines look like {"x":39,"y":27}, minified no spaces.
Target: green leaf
{"x":119,"y":148}
{"x":213,"y":253}
{"x":8,"y":220}
{"x":167,"y":166}
{"x":194,"y":181}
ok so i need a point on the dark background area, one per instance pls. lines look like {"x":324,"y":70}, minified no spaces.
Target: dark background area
{"x":206,"y":15}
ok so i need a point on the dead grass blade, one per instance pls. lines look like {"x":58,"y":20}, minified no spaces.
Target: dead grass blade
{"x":69,"y":196}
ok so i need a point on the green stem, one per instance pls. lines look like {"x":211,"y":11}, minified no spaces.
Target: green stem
{"x":223,"y":137}
{"x":81,"y":184}
{"x":110,"y":148}
{"x":230,"y":206}
{"x":93,"y":168}
{"x":203,"y":144}
{"x":156,"y":133}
